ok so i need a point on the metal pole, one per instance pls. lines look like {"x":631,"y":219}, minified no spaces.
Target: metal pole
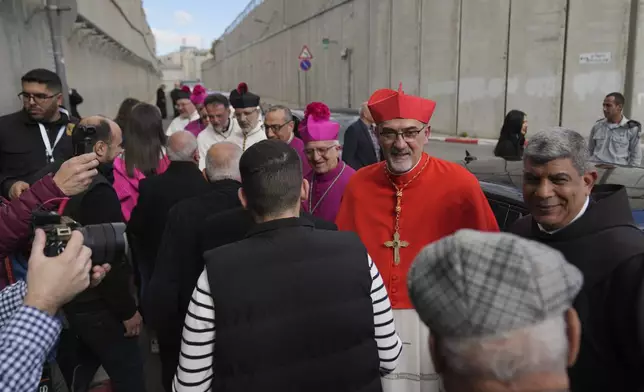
{"x":349,"y":77}
{"x":55,"y":30}
{"x":629,"y":77}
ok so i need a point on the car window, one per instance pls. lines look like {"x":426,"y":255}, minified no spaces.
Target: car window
{"x":506,"y":213}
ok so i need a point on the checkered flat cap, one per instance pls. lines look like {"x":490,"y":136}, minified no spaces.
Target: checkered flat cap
{"x":476,"y":284}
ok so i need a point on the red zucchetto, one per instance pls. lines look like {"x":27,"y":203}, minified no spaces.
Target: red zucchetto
{"x":387,"y":104}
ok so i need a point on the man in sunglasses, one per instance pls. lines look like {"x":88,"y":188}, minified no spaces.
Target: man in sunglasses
{"x":36,"y":136}
{"x":279,"y":125}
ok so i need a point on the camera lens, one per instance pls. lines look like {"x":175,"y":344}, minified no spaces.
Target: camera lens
{"x":107,"y":242}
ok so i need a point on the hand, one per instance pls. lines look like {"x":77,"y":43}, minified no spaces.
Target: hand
{"x":54,"y":281}
{"x":75,"y":175}
{"x":98,"y":274}
{"x":17,"y":189}
{"x":133,"y":325}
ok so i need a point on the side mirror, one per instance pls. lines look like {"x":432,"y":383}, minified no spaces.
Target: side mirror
{"x":469,"y":157}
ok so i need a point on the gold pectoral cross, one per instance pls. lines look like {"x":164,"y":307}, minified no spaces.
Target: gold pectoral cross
{"x":396,"y":244}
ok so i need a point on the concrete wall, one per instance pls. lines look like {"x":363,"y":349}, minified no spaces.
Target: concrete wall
{"x":103,"y":72}
{"x":477,"y":58}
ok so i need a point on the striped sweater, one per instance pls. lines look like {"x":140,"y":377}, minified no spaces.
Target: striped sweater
{"x":195,"y":371}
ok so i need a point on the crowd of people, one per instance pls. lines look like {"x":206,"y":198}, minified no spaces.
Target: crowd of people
{"x":262,"y":257}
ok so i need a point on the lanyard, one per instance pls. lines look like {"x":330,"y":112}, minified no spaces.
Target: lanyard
{"x":49,"y":149}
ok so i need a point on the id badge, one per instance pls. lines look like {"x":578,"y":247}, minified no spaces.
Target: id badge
{"x":46,"y":384}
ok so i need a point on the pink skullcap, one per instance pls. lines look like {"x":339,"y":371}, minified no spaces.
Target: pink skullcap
{"x":198,"y":99}
{"x":319,"y":130}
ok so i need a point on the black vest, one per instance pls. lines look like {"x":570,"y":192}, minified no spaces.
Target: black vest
{"x":293,"y":310}
{"x":609,"y":251}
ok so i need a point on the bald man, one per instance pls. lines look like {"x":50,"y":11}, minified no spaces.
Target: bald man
{"x":105,"y":318}
{"x":361,"y":146}
{"x":179,"y":262}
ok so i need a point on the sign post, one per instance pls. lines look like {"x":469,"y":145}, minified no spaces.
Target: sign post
{"x":305,"y":58}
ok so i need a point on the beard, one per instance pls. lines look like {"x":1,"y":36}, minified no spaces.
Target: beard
{"x":400,"y":161}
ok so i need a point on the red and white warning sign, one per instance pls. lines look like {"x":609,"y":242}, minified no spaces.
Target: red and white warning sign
{"x":306,"y":53}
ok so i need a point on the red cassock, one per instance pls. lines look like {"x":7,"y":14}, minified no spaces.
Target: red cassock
{"x":443,"y":199}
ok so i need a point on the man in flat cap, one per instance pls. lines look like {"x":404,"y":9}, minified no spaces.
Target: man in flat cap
{"x":499,"y":308}
{"x":399,"y":206}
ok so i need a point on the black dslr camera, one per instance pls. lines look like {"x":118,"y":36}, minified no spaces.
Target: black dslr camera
{"x":107,"y":241}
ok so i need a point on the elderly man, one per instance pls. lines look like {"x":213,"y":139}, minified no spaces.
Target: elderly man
{"x":329,"y":175}
{"x":279,"y":125}
{"x":158,"y":194}
{"x":361,"y":146}
{"x":399,"y":206}
{"x":179,"y":261}
{"x":615,"y":139}
{"x":492,"y":326}
{"x":187,"y":113}
{"x":248,"y":115}
{"x":593,"y":227}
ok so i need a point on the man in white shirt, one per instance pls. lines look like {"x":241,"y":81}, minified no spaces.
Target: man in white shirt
{"x":187,"y":113}
{"x":222,"y":126}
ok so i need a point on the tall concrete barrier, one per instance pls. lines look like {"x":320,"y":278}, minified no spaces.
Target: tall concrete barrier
{"x":109,"y":52}
{"x":553,"y":59}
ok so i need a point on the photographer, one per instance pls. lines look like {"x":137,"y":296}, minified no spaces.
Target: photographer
{"x":105,"y":319}
{"x":28,"y":329}
{"x":73,"y":177}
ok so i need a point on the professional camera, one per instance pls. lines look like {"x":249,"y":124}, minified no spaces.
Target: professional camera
{"x":83,"y":139}
{"x":107,"y":241}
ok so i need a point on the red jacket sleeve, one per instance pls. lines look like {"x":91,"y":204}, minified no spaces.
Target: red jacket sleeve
{"x":15,"y":216}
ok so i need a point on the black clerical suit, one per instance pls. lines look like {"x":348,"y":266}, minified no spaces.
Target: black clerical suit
{"x":157,"y":194}
{"x":358,"y":150}
{"x":609,"y":250}
{"x":96,"y":315}
{"x":177,"y":269}
{"x":23,"y":153}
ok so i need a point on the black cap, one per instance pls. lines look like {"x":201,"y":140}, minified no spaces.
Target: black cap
{"x":242,"y":98}
{"x":183,"y":95}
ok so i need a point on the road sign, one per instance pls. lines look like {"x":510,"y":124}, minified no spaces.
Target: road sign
{"x":305,"y":65}
{"x":305,"y":54}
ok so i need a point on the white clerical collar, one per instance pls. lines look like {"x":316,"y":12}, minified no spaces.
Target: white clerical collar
{"x":581,"y":212}
{"x":290,"y":139}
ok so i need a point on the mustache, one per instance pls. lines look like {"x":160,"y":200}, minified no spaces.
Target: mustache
{"x":398,"y":151}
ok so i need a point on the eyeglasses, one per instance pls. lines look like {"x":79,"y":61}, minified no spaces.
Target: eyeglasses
{"x":275,"y":127}
{"x":408,"y":135}
{"x":322,"y":151}
{"x":39,"y":98}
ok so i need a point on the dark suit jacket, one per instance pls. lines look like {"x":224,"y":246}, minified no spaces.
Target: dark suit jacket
{"x":157,"y":194}
{"x":358,"y":150}
{"x":179,"y":260}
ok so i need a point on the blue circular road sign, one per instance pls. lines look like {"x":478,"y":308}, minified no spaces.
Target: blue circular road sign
{"x":305,"y":65}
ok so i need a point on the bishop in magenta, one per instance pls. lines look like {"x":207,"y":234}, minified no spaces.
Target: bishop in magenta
{"x":329,"y":175}
{"x":403,"y":204}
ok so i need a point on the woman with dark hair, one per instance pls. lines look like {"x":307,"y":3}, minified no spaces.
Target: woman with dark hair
{"x":144,"y":143}
{"x":512,"y":139}
{"x":124,"y":112}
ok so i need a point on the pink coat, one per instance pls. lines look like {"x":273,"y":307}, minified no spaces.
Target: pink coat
{"x":127,"y":188}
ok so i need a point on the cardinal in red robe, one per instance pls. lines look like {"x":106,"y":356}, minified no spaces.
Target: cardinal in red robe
{"x":403,"y":204}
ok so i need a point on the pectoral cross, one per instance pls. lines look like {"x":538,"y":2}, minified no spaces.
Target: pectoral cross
{"x":396,"y":244}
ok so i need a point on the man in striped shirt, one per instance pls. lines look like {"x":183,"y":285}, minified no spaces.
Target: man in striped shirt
{"x":297,"y":308}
